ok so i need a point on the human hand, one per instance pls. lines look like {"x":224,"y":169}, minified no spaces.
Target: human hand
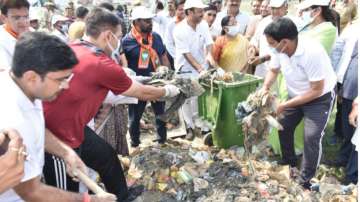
{"x":203,"y":73}
{"x":353,"y":115}
{"x":12,"y":162}
{"x":280,"y":109}
{"x":73,"y":162}
{"x":251,"y":52}
{"x":171,"y":91}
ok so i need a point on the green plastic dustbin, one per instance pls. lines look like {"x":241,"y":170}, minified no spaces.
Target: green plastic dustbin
{"x":217,"y":106}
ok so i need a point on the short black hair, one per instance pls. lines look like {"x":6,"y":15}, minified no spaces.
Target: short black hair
{"x":81,"y":12}
{"x":210,"y":7}
{"x":282,"y":28}
{"x":178,"y":3}
{"x":160,"y":6}
{"x":107,"y":6}
{"x":13,"y":4}
{"x":99,"y":20}
{"x":41,"y":53}
{"x":224,"y":22}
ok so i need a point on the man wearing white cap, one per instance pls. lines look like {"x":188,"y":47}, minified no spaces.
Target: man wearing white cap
{"x":310,"y":82}
{"x":34,"y":19}
{"x":60,"y":27}
{"x":144,"y":51}
{"x":259,"y":44}
{"x":233,"y":9}
{"x":192,"y":37}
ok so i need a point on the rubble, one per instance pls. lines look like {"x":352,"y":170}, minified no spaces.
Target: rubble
{"x":179,"y":172}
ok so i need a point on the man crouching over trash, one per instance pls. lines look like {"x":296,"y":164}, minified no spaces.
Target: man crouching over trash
{"x":310,"y":82}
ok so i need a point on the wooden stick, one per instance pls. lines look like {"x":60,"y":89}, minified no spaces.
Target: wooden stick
{"x":88,"y":182}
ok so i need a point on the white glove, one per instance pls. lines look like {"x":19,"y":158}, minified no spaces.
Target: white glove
{"x":220,"y":72}
{"x":171,"y":90}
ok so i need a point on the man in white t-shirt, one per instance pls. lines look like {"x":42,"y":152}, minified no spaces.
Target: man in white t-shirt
{"x":16,"y":18}
{"x":233,"y":9}
{"x":29,"y":82}
{"x":259,"y":45}
{"x":169,"y":33}
{"x":310,"y":81}
{"x":163,"y":18}
{"x":192,"y":43}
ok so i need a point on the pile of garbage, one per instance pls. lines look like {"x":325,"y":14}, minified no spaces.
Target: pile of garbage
{"x":217,"y":74}
{"x":256,"y":114}
{"x":188,"y":88}
{"x":179,"y":172}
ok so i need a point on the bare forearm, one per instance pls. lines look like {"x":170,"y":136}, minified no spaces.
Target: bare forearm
{"x":193,"y":62}
{"x":34,"y":190}
{"x":47,"y":193}
{"x":165,"y":60}
{"x":147,"y":92}
{"x":303,"y":99}
{"x":270,"y":78}
{"x":54,"y":145}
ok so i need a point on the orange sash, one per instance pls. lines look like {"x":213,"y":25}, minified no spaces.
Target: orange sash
{"x":147,"y":53}
{"x":10,"y":31}
{"x":177,"y":19}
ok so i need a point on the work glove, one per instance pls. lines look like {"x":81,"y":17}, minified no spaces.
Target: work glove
{"x":220,"y":72}
{"x":171,"y":91}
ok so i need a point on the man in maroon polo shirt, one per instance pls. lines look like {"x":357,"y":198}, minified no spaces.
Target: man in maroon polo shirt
{"x":93,"y":77}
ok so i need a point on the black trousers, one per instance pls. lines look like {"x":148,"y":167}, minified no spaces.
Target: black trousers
{"x":96,"y":154}
{"x":352,"y":166}
{"x":135,"y":113}
{"x":347,"y":131}
{"x":316,"y":114}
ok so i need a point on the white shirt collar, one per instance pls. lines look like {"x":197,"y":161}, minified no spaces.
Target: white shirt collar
{"x":22,"y":100}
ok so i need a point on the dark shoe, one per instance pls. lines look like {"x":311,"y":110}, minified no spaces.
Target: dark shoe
{"x":304,"y":184}
{"x":134,"y":145}
{"x":190,"y":134}
{"x":134,"y":192}
{"x":208,"y":141}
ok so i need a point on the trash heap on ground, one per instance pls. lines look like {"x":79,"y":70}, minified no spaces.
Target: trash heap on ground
{"x":181,"y":172}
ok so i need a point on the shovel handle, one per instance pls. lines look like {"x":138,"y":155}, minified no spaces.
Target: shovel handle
{"x":89,"y":182}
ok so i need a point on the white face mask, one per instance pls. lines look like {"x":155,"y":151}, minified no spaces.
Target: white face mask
{"x":306,"y":17}
{"x":233,"y":30}
{"x":114,"y":51}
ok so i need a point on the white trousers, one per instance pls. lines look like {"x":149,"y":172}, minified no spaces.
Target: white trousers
{"x":189,"y":111}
